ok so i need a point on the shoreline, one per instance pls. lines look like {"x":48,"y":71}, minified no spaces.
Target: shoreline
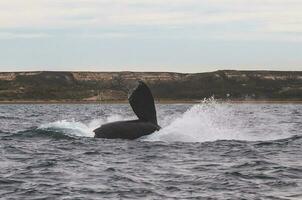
{"x":156,"y":101}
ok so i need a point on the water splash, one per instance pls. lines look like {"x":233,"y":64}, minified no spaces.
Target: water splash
{"x":202,"y":122}
{"x":76,"y":128}
{"x":207,"y":121}
{"x":70,"y":128}
{"x":211,"y":121}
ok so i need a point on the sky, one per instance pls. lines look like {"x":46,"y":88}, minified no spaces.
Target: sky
{"x":150,"y":35}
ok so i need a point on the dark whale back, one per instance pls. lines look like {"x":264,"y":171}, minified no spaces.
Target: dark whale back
{"x":125,"y":129}
{"x":142,"y":103}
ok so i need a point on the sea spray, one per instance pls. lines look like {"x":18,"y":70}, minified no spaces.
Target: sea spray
{"x":76,"y":128}
{"x":206,"y":121}
{"x":70,"y":128}
{"x":211,"y":121}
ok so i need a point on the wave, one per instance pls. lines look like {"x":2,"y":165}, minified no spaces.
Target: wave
{"x":76,"y":128}
{"x":71,"y":128}
{"x":211,"y":121}
{"x":204,"y":122}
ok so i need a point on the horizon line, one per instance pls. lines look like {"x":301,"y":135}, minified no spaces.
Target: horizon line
{"x":135,"y":71}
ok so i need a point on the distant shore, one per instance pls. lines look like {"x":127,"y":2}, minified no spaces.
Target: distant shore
{"x":51,"y":87}
{"x":254,"y":101}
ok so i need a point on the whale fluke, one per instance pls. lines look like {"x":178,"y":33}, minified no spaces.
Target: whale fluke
{"x":142,"y":103}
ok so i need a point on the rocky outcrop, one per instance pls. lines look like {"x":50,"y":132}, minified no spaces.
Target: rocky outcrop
{"x":99,"y":86}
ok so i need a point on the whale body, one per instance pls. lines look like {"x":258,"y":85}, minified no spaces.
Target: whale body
{"x":142,"y":103}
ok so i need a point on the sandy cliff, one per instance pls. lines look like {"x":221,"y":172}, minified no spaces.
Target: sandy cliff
{"x":99,"y":86}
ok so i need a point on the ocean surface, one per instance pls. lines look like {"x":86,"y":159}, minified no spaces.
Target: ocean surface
{"x":203,"y":151}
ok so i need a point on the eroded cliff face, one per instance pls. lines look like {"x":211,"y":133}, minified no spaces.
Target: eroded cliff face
{"x":262,"y":75}
{"x":126,"y":76}
{"x":98,"y":86}
{"x":9,"y":76}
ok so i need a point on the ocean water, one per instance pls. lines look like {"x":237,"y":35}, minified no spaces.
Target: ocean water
{"x":203,"y":151}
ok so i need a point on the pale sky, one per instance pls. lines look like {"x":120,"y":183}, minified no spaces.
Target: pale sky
{"x":150,"y":35}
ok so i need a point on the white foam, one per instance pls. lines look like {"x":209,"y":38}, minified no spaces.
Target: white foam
{"x":72,"y":127}
{"x":202,"y":122}
{"x":207,"y":121}
{"x":80,"y":129}
{"x":211,"y":121}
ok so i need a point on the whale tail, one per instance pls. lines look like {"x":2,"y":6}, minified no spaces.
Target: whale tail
{"x":142,"y":103}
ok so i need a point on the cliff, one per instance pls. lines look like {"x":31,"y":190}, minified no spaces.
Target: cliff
{"x":101,"y":86}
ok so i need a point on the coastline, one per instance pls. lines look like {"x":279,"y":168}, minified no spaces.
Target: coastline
{"x":69,"y":87}
{"x":269,"y":101}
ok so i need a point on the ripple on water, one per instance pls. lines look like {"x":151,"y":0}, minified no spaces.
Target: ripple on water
{"x":208,"y":151}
